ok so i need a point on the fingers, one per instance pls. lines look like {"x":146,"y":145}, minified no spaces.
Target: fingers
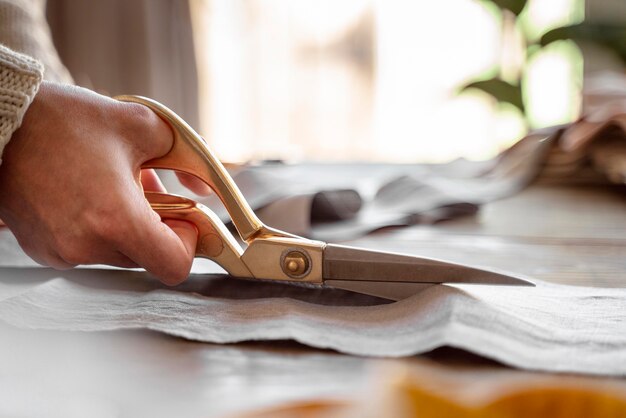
{"x":194,"y":184}
{"x":95,"y":255}
{"x":154,"y":138}
{"x":52,"y":260}
{"x":187,"y":233}
{"x":118,"y":259}
{"x":89,"y":208}
{"x":151,"y":181}
{"x":42,"y":254}
{"x":133,"y":236}
{"x":165,"y":249}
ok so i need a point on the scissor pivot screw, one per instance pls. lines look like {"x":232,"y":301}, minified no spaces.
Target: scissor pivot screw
{"x":295,"y":263}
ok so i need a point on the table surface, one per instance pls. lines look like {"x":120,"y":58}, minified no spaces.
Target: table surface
{"x":562,"y":234}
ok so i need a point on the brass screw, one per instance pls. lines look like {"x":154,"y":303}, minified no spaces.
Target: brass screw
{"x":295,"y":264}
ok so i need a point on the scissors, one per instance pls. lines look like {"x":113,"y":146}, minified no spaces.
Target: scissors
{"x":274,"y":255}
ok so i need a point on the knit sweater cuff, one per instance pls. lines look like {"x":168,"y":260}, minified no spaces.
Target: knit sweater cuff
{"x":20,"y":77}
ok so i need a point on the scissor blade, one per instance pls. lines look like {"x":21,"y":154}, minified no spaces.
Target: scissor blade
{"x":385,"y":290}
{"x":348,"y":263}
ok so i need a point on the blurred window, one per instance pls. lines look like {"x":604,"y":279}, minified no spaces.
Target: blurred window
{"x":377,"y":80}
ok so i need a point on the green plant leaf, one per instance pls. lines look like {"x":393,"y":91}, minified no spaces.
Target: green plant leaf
{"x":500,"y":90}
{"x":608,"y":35}
{"x":515,"y":6}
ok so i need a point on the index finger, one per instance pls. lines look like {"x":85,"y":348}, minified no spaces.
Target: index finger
{"x":164,"y":248}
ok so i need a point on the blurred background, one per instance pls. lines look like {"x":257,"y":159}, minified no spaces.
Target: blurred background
{"x":359,"y":80}
{"x":393,"y":81}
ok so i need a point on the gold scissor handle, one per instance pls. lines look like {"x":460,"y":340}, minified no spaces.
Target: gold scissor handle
{"x":270,"y":254}
{"x":264,"y":258}
{"x":190,"y":154}
{"x":214,"y":240}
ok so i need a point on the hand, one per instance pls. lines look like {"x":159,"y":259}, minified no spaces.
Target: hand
{"x":70,"y":187}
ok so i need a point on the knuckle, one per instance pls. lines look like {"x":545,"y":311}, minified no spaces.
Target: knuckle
{"x":143,"y":118}
{"x":95,"y":231}
{"x":26,"y":246}
{"x":33,"y":253}
{"x":149,"y":130}
{"x":139,"y":113}
{"x":105,"y":224}
{"x":71,"y":252}
{"x":39,"y":252}
{"x":107,"y":230}
{"x":48,"y":257}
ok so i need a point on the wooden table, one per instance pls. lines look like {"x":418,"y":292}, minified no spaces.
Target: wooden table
{"x":564,"y":234}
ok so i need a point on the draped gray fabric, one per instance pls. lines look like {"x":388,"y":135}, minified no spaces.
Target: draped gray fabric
{"x":140,"y":47}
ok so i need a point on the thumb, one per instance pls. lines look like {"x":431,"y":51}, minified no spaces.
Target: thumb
{"x":151,"y":136}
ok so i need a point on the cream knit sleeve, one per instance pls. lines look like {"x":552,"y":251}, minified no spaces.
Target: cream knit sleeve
{"x":23,"y":28}
{"x":20,"y":77}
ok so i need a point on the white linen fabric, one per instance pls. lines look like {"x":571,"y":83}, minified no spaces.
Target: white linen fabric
{"x":548,"y":327}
